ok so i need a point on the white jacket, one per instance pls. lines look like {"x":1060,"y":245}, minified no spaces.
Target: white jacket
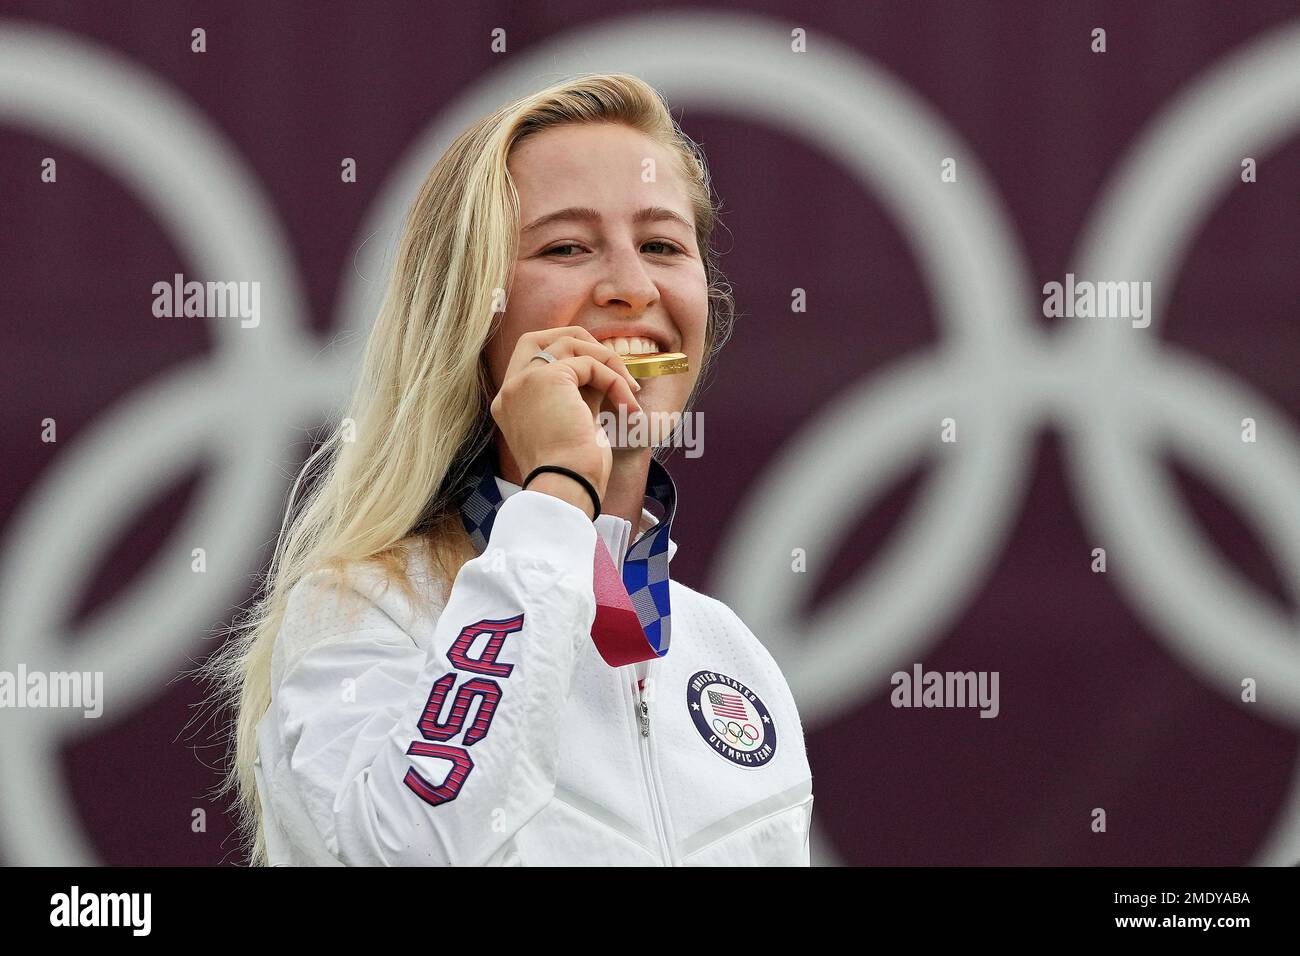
{"x":542,"y":754}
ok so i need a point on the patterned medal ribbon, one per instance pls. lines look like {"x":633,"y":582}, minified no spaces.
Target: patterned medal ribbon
{"x":632,"y":612}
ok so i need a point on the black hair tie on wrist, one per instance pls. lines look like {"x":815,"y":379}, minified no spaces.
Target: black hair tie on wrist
{"x":561,"y":470}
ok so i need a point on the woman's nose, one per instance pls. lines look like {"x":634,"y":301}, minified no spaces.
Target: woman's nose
{"x":626,"y":280}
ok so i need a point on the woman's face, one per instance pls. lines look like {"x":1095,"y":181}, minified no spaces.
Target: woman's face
{"x":612,"y":274}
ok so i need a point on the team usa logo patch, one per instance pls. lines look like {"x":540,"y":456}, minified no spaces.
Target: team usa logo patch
{"x":731,"y":718}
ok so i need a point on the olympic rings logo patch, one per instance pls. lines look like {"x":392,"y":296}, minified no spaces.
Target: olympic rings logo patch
{"x":731,"y":718}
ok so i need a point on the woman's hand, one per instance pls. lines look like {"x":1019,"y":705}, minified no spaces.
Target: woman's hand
{"x":547,"y":412}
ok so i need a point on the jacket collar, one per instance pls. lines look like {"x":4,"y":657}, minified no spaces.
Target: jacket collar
{"x":488,"y":491}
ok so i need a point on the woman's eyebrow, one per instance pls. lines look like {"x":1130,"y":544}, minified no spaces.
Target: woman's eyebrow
{"x":587,"y":214}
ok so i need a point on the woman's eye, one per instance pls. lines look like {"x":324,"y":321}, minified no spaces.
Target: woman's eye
{"x":554,"y":249}
{"x":672,"y":250}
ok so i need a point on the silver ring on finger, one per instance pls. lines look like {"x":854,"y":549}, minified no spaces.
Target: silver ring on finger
{"x":543,"y":354}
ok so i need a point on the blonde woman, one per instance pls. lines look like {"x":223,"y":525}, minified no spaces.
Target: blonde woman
{"x":449,"y":668}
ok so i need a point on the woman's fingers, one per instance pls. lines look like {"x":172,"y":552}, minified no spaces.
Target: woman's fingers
{"x":530,"y":343}
{"x":606,"y":356}
{"x":568,"y":341}
{"x":594,"y":374}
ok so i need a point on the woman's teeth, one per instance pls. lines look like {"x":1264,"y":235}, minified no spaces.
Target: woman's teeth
{"x":632,"y":346}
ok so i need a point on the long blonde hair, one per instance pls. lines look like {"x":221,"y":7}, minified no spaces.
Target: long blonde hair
{"x":419,"y":414}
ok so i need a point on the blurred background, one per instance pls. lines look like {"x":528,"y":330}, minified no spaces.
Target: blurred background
{"x":147,"y":459}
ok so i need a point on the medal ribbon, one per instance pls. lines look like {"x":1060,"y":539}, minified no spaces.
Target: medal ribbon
{"x":633,"y":620}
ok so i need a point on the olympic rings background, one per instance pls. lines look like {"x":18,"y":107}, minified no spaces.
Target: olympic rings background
{"x":1119,"y":690}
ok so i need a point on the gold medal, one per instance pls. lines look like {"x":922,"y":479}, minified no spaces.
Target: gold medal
{"x":660,"y":363}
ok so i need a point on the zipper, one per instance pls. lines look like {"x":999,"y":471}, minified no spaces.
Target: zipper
{"x":641,"y":708}
{"x":647,"y":764}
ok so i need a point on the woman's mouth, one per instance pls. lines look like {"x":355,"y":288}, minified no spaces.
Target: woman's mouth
{"x":632,"y":345}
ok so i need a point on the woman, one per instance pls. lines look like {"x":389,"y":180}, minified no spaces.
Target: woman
{"x":535,"y":689}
